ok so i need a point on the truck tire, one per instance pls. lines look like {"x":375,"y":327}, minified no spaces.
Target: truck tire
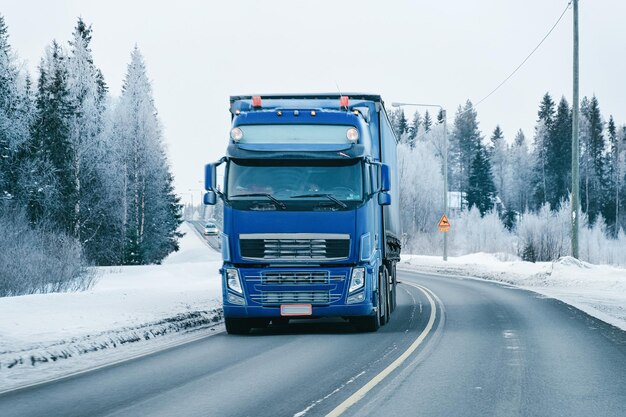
{"x":384,"y":296}
{"x":392,"y":288}
{"x":235,"y":325}
{"x":370,"y":323}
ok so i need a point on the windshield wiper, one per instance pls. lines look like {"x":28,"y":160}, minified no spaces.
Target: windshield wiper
{"x":328,"y":196}
{"x":271,"y":197}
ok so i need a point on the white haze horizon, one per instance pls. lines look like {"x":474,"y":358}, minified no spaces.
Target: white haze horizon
{"x":199,"y":53}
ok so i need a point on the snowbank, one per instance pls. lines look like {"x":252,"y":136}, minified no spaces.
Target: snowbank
{"x":131,"y":310}
{"x":598,"y":290}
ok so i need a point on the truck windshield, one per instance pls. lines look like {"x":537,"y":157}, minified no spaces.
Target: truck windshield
{"x":296,"y":184}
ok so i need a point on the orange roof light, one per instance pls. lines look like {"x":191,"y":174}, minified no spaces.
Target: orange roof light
{"x":256,"y":101}
{"x":344,"y":101}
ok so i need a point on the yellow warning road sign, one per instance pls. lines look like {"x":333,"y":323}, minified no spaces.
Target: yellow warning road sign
{"x":444,"y":224}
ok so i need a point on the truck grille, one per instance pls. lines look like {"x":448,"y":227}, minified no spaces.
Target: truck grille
{"x":290,"y":297}
{"x":286,"y":277}
{"x":301,"y":247}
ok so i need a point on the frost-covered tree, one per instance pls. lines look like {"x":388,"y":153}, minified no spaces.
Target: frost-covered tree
{"x":559,"y":156}
{"x":481,"y":191}
{"x":421,"y":185}
{"x":541,"y":168}
{"x":15,"y":115}
{"x":414,"y":128}
{"x":51,"y":146}
{"x":465,"y":142}
{"x":520,"y":168}
{"x":498,"y":154}
{"x":592,"y":158}
{"x":427,"y":122}
{"x":152,"y":213}
{"x":85,"y":125}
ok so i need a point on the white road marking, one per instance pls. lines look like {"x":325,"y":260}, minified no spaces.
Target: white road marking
{"x":357,"y":396}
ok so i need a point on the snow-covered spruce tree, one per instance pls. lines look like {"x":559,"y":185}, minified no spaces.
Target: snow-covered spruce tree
{"x":520,"y":168}
{"x":592,"y":158}
{"x":414,"y":128}
{"x":541,"y":169}
{"x":481,"y":191}
{"x":15,"y":115}
{"x":96,"y":216}
{"x":427,"y":122}
{"x":498,"y":154}
{"x":559,"y":156}
{"x":50,"y":148}
{"x":465,"y":143}
{"x":152,"y":210}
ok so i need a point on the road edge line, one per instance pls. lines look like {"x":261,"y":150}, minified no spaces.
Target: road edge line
{"x":357,"y":396}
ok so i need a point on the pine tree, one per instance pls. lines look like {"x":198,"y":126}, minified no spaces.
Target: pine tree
{"x":401,"y":125}
{"x":427,"y":122}
{"x":51,"y":145}
{"x":481,"y":191}
{"x":592,"y":158}
{"x":465,"y":142}
{"x":152,"y":210}
{"x":414,"y":128}
{"x":541,"y":168}
{"x":611,"y":203}
{"x":559,"y":156}
{"x":14,"y":117}
{"x":498,"y":151}
{"x":521,"y":166}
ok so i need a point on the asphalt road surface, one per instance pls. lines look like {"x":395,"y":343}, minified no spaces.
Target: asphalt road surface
{"x":454,"y":347}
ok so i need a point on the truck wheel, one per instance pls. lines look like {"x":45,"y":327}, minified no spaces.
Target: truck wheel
{"x":388,"y":295}
{"x":370,"y":323}
{"x":394,"y":297}
{"x":383,"y":292}
{"x":237,"y":325}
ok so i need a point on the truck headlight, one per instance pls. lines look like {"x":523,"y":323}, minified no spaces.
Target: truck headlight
{"x":357,"y":281}
{"x":232,"y":281}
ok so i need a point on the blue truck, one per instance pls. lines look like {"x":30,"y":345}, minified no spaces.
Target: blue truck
{"x":311,"y":222}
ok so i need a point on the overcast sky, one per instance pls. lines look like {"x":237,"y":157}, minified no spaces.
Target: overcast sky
{"x":445,"y":52}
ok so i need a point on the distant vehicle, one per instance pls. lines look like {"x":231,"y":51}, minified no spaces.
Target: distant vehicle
{"x":210,"y":229}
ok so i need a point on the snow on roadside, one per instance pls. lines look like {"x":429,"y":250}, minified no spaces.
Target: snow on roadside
{"x":130,"y":310}
{"x":598,"y":290}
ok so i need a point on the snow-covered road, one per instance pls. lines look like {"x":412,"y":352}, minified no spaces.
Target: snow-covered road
{"x":134,"y":310}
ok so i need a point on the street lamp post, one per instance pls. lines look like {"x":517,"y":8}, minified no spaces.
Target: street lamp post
{"x":445,"y":164}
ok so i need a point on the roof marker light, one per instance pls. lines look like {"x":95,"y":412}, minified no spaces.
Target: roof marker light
{"x":352,"y":134}
{"x":313,"y":113}
{"x":296,"y":113}
{"x":356,"y":112}
{"x":236,"y":134}
{"x":279,"y":113}
{"x":256,"y":101}
{"x":344,"y":101}
{"x":237,"y":112}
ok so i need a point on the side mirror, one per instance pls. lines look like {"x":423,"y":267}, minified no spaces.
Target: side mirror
{"x":385,"y":177}
{"x":210,"y":198}
{"x":209,"y":177}
{"x":384,"y":199}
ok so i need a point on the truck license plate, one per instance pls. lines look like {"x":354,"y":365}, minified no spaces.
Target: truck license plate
{"x":296,"y":310}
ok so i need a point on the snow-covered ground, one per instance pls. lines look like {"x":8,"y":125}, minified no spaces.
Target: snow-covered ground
{"x":134,"y":310}
{"x":131,"y":310}
{"x":598,"y":290}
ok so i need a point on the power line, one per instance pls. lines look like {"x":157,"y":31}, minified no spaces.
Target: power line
{"x":528,"y":57}
{"x":514,"y":71}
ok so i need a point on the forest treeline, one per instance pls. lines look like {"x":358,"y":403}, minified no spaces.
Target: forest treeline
{"x":519,"y":181}
{"x":79,"y":166}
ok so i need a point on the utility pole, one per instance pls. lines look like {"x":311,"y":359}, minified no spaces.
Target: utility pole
{"x":575,"y":140}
